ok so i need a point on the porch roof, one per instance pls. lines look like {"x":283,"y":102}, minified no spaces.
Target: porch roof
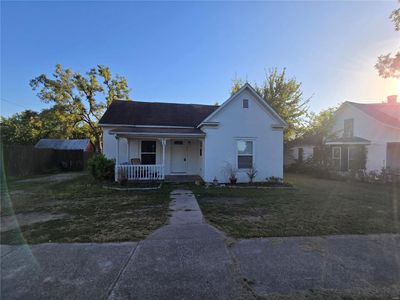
{"x":158,"y":132}
{"x":355,"y":140}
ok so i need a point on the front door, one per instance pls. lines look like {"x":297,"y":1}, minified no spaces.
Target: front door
{"x":179,"y":157}
{"x":393,"y":156}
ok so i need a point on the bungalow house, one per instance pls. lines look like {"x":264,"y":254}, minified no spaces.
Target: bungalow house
{"x":150,"y":140}
{"x":374,"y":127}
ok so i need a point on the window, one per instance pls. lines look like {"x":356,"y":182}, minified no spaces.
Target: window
{"x":348,"y":128}
{"x":148,"y":152}
{"x":245,"y":154}
{"x":336,"y":155}
{"x":245,"y":103}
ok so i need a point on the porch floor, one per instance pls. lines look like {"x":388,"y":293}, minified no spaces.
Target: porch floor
{"x":182,"y":178}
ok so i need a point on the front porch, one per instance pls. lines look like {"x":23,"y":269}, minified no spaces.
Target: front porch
{"x":157,"y":155}
{"x":348,"y":153}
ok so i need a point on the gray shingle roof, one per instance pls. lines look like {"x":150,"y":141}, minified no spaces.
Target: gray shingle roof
{"x":78,"y":144}
{"x":348,"y":140}
{"x":155,"y":113}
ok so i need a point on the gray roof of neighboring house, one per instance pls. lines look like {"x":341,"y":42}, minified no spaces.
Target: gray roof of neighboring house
{"x":305,"y":140}
{"x":56,"y":144}
{"x":348,"y":140}
{"x":122,"y":112}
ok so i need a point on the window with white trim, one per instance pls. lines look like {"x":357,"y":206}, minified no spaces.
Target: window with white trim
{"x":336,"y":155}
{"x":244,"y":154}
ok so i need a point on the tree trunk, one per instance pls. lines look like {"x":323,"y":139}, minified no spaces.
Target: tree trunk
{"x":97,"y":143}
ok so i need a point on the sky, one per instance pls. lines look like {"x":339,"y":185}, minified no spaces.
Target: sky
{"x":189,"y":52}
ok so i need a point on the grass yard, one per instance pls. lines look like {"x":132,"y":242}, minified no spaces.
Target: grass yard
{"x":313,"y":207}
{"x":80,"y":210}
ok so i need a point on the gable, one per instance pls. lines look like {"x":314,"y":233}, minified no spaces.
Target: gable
{"x":246,"y":93}
{"x":364,"y":125}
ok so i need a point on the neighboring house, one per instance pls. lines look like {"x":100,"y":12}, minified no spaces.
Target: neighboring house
{"x":62,"y":144}
{"x":150,"y":140}
{"x":300,"y":150}
{"x":375,"y":126}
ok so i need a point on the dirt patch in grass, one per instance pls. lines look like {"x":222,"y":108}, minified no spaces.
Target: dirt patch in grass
{"x":92,"y":213}
{"x":13,"y":222}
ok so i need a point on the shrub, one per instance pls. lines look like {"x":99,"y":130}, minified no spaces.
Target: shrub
{"x":274,"y":180}
{"x":251,"y":173}
{"x":101,"y":167}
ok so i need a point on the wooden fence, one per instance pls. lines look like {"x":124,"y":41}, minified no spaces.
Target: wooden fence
{"x":22,"y":160}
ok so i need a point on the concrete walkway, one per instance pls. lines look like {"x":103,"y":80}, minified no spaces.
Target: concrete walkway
{"x":186,"y":259}
{"x":189,"y":259}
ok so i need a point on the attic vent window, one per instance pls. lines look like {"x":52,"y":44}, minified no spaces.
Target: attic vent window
{"x":245,"y":103}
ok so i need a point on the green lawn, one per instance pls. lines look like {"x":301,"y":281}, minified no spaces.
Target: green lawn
{"x":92,"y":214}
{"x":313,"y":207}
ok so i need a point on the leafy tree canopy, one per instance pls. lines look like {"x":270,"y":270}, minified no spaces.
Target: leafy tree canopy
{"x":320,"y":124}
{"x":285,"y":96}
{"x":83,"y":97}
{"x":28,"y":127}
{"x":389,"y":65}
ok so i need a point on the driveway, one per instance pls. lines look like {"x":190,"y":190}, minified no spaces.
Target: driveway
{"x":189,"y":259}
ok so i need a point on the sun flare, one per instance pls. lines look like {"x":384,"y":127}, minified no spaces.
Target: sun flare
{"x":398,"y":86}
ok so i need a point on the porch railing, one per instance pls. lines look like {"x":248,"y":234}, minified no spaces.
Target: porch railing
{"x":139,"y":172}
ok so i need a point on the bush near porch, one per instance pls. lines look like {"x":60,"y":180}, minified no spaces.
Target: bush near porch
{"x":313,"y":207}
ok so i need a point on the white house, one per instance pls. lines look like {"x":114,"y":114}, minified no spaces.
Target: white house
{"x":152,"y":140}
{"x":299,"y":150}
{"x":375,"y":125}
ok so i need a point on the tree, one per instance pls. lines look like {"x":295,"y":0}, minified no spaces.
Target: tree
{"x":285,"y":96}
{"x":84,"y":97}
{"x":320,"y":124}
{"x":388,"y":65}
{"x":28,"y":127}
{"x":20,"y":128}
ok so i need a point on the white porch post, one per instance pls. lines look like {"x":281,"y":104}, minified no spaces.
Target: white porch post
{"x":128,"y":149}
{"x":116,"y":159}
{"x":163,"y":143}
{"x":117,"y":154}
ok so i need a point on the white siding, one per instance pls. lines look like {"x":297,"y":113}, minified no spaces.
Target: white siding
{"x":368,"y":128}
{"x":292,"y":154}
{"x":235,"y":122}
